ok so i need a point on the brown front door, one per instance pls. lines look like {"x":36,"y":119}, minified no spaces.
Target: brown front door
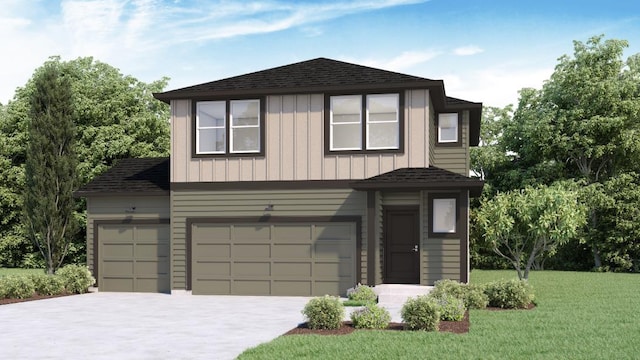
{"x":401,"y":239}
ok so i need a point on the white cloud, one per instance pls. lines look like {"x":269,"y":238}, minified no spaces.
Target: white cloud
{"x":402,"y":62}
{"x":467,"y":50}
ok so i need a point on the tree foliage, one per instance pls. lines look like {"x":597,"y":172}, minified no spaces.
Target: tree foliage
{"x":115,"y":117}
{"x":523,"y":226}
{"x":50,"y":166}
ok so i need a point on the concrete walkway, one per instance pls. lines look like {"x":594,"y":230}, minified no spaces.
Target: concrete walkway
{"x":144,"y":326}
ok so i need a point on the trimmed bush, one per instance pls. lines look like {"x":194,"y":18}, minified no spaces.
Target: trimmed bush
{"x":472,"y":295}
{"x":421,"y":313}
{"x":451,"y":308}
{"x":16,"y":287}
{"x":76,"y":278}
{"x":475,"y":298}
{"x":324,"y":312}
{"x":362,"y":293}
{"x":47,"y":284}
{"x":509,"y":294}
{"x":371,"y":317}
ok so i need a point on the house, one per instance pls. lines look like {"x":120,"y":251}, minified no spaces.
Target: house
{"x":304,"y":179}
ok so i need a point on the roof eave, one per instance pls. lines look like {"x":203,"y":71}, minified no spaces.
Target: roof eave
{"x":85,"y":194}
{"x":474,"y":187}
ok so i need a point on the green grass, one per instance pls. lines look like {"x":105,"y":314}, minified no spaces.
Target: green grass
{"x":16,"y":271}
{"x":578,"y":316}
{"x":357,"y":303}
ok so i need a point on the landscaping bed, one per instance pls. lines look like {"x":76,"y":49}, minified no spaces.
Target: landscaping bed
{"x":34,"y":297}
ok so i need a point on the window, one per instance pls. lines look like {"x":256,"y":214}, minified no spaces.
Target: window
{"x":346,"y":122}
{"x":444,"y":216}
{"x":380,"y":114}
{"x":239,"y":121}
{"x":448,"y":128}
{"x":382,"y":121}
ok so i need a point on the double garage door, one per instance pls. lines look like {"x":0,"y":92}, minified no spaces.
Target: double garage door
{"x":133,"y":257}
{"x":287,"y":259}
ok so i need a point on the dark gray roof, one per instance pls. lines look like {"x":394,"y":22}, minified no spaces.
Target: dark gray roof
{"x":324,"y":75}
{"x":141,"y":176}
{"x":420,"y":179}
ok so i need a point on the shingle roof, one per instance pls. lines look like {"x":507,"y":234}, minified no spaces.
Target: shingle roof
{"x":320,"y":73}
{"x":420,"y":179}
{"x":141,"y":176}
{"x":323,"y":75}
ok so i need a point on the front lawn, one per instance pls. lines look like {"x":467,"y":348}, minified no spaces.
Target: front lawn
{"x":578,"y":316}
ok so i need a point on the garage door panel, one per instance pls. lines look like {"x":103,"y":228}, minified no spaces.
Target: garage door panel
{"x":213,"y":233}
{"x":292,"y":288}
{"x":340,"y":232}
{"x":281,"y":269}
{"x":274,"y":259}
{"x":251,"y":268}
{"x":292,"y":233}
{"x":212,"y":268}
{"x":241,"y":251}
{"x":251,"y":287}
{"x":133,"y":257}
{"x":117,"y":250}
{"x":291,"y":251}
{"x":244,"y":233}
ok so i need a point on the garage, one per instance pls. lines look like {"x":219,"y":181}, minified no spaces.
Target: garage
{"x":133,"y":257}
{"x":288,"y":258}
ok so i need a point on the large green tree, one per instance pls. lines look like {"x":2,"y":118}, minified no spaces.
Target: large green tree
{"x":50,"y":166}
{"x":115,"y":116}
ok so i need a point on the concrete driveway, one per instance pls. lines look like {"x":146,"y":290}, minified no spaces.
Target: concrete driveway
{"x":143,"y":326}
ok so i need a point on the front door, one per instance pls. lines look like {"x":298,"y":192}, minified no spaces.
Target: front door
{"x":401,"y":239}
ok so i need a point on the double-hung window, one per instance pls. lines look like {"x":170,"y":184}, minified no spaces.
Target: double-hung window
{"x":448,"y":128}
{"x":228,"y":127}
{"x":364,"y":122}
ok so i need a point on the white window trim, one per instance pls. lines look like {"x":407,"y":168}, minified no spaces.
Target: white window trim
{"x":444,"y":141}
{"x":450,"y":229}
{"x":232,"y":127}
{"x":331,"y":124}
{"x":397,"y":121}
{"x":198,"y":128}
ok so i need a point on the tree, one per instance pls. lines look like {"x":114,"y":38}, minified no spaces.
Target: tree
{"x":50,"y":165}
{"x":523,"y":226}
{"x":116,"y":117}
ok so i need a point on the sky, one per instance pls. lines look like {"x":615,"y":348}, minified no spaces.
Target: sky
{"x":485,"y":51}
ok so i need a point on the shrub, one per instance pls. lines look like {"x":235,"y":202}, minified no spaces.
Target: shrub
{"x":371,"y":317}
{"x":451,"y":308}
{"x":16,"y":287}
{"x":324,"y":312}
{"x":47,"y":284}
{"x":475,"y":298}
{"x":472,"y":295}
{"x":421,"y":313}
{"x":509,"y":294}
{"x":362,"y":293}
{"x":76,"y":278}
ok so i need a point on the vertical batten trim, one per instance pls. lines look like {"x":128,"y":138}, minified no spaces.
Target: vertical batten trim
{"x":371,"y":239}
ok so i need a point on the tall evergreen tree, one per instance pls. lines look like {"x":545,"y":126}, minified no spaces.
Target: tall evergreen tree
{"x":50,"y":166}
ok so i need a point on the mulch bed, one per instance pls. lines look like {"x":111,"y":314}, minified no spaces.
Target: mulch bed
{"x":456,"y":327}
{"x":34,"y":297}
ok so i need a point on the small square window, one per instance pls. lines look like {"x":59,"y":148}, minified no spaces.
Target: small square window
{"x":448,"y":128}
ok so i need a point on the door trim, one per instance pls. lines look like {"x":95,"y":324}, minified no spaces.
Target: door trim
{"x":391,"y":208}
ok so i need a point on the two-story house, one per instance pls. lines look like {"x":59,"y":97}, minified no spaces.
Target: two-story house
{"x":304,"y":179}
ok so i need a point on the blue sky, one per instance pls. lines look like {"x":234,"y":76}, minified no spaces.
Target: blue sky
{"x":484,"y":50}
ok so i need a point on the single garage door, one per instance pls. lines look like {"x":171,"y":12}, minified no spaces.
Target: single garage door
{"x":133,"y":257}
{"x":286,"y":259}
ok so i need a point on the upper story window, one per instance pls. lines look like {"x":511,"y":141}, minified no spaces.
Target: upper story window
{"x":448,"y":129}
{"x":364,"y":122}
{"x":228,"y":127}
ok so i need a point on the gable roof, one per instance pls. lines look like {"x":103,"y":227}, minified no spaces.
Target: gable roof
{"x":325,"y":75}
{"x":141,"y":176}
{"x":430,"y":178}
